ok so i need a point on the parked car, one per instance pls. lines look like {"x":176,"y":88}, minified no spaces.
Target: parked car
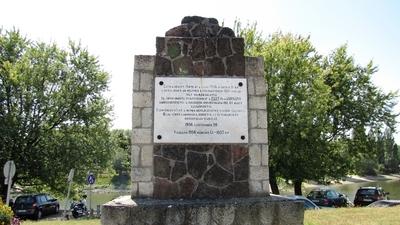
{"x":368,"y":195}
{"x":328,"y":198}
{"x":384,"y":203}
{"x":35,"y":206}
{"x":308,"y":204}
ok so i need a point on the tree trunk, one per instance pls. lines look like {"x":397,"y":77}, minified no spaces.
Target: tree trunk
{"x":297,"y":187}
{"x":273,"y":182}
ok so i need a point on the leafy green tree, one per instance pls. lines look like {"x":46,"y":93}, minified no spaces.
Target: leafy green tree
{"x":121,"y":159}
{"x":53,"y":115}
{"x":319,"y":108}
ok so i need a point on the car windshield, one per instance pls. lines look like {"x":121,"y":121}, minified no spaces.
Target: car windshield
{"x":316,"y":194}
{"x":366,"y":192}
{"x":24,"y":200}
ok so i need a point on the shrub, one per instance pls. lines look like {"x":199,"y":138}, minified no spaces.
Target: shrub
{"x":6,"y":214}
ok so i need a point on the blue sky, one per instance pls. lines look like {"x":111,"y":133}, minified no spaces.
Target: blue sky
{"x":117,"y":30}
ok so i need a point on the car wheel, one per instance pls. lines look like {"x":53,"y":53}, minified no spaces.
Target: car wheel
{"x":38,"y":215}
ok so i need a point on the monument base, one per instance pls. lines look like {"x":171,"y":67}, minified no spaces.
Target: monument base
{"x":241,"y":211}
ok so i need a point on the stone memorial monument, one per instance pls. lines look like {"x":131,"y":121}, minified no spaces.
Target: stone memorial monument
{"x":199,"y":135}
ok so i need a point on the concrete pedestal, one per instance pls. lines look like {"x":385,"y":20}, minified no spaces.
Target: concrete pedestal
{"x":269,"y":210}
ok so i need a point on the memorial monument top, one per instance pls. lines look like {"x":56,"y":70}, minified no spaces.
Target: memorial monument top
{"x":196,"y":26}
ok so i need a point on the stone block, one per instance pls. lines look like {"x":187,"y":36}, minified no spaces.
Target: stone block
{"x":198,"y":68}
{"x":183,"y":66}
{"x":257,"y":102}
{"x":223,"y":215}
{"x":163,"y":66}
{"x":250,"y":86}
{"x":198,"y":49}
{"x":255,"y":155}
{"x":255,"y":188}
{"x":258,"y":173}
{"x":146,"y":81}
{"x":145,"y":189}
{"x":254,"y":66}
{"x":253,"y":119}
{"x":134,"y":191}
{"x":238,"y":45}
{"x":142,"y":99}
{"x":260,"y":86}
{"x":258,"y":136}
{"x":135,"y":153}
{"x":147,"y":155}
{"x":262,"y":119}
{"x":210,"y":47}
{"x":147,"y":117}
{"x":214,"y":66}
{"x":266,"y":210}
{"x":144,"y":62}
{"x":142,"y":174}
{"x":142,"y":136}
{"x":235,"y":65}
{"x":266,"y":188}
{"x":165,"y":189}
{"x":224,"y":47}
{"x":136,"y":118}
{"x":173,"y":49}
{"x":136,"y":80}
{"x":264,"y":155}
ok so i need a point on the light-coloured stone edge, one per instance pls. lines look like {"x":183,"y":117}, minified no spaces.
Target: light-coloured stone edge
{"x":142,"y":127}
{"x":272,"y":210}
{"x":258,"y":139}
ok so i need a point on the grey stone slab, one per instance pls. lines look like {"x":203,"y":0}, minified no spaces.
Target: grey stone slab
{"x":269,"y":210}
{"x":144,"y":62}
{"x":258,"y":136}
{"x":257,"y":102}
{"x":136,"y":118}
{"x":142,"y":174}
{"x":142,"y":136}
{"x":255,"y":155}
{"x":147,"y":155}
{"x":135,"y":156}
{"x":147,"y":117}
{"x":260,"y":86}
{"x":136,"y":80}
{"x":142,"y":99}
{"x":146,"y":81}
{"x":145,"y":189}
{"x":254,"y":66}
{"x":259,"y":173}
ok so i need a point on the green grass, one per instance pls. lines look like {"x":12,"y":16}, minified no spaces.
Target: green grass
{"x":343,"y":216}
{"x":64,"y":222}
{"x":353,"y":216}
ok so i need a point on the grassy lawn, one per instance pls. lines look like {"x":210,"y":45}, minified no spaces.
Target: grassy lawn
{"x":63,"y":222}
{"x":353,"y":216}
{"x":344,"y":216}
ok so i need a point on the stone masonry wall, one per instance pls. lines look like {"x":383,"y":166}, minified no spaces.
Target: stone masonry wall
{"x":198,"y":171}
{"x":142,"y":131}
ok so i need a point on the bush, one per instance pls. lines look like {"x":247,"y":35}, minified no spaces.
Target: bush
{"x":6,"y":214}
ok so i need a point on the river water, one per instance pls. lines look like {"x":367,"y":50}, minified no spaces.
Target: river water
{"x":391,"y":186}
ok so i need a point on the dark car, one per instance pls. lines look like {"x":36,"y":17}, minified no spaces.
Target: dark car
{"x":35,"y":206}
{"x":328,"y":198}
{"x":308,"y":204}
{"x":368,"y":195}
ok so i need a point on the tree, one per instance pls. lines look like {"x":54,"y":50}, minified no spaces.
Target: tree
{"x":319,"y":108}
{"x":121,"y":159}
{"x":53,"y":115}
